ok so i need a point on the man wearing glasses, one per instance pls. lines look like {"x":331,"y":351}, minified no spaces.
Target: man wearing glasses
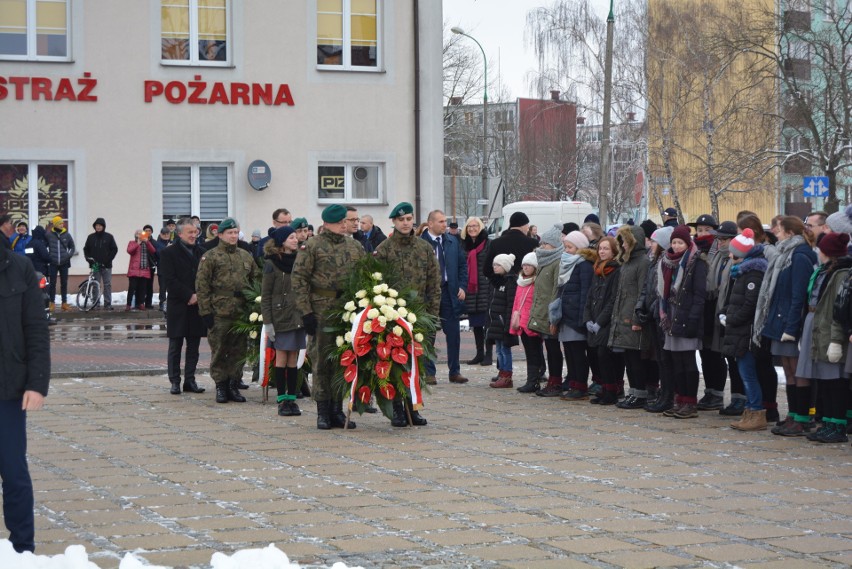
{"x":815,"y":222}
{"x":280,"y":218}
{"x":352,"y":219}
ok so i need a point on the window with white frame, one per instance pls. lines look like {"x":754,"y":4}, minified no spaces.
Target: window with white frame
{"x":35,"y":30}
{"x":196,"y":189}
{"x":195,"y":32}
{"x":350,"y":182}
{"x":34,"y":192}
{"x":348,"y":34}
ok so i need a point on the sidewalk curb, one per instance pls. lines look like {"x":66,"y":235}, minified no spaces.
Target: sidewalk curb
{"x":117,"y":373}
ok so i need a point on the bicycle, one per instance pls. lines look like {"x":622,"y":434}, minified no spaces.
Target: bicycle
{"x":89,"y":293}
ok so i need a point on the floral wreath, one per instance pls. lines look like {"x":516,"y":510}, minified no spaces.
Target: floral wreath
{"x":379,"y":349}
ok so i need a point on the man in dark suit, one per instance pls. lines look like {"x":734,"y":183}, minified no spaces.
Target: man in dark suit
{"x":453,"y":264}
{"x":178,"y":268}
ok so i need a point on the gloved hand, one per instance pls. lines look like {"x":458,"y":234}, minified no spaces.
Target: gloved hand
{"x":270,"y":331}
{"x":596,"y":327}
{"x":723,"y":319}
{"x":309,"y":321}
{"x":208,"y":320}
{"x":835,"y":352}
{"x":239,"y":294}
{"x":590,"y":327}
{"x":785,"y":337}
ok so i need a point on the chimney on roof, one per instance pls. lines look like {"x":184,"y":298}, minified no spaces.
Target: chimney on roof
{"x":554,"y":95}
{"x":581,"y":120}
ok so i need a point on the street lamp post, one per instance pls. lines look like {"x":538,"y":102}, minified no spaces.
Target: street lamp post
{"x":461,"y":32}
{"x":603,"y":209}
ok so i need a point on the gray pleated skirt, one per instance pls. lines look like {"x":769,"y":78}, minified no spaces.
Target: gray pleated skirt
{"x":291,"y":341}
{"x":785,"y":349}
{"x":808,"y":368}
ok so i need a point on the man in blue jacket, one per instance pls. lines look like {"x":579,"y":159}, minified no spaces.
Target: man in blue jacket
{"x":24,"y":378}
{"x":453,"y":264}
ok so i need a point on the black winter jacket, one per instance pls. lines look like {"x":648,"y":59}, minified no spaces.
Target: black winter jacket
{"x":478,"y":302}
{"x":178,"y":269}
{"x":741,"y":304}
{"x":511,"y":241}
{"x":24,"y":339}
{"x":37,"y":251}
{"x":574,"y":295}
{"x":370,"y":243}
{"x":503,"y":288}
{"x":599,"y":305}
{"x":100,"y":246}
{"x":686,"y":306}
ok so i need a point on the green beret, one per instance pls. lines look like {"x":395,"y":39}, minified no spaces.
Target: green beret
{"x":334,"y":214}
{"x":228,"y":223}
{"x":299,"y":223}
{"x":402,"y":208}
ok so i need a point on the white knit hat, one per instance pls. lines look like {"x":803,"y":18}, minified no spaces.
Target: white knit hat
{"x":507,"y":261}
{"x":577,"y":239}
{"x":530,"y":259}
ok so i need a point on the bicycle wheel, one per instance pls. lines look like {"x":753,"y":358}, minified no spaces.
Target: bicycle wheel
{"x":88,"y":295}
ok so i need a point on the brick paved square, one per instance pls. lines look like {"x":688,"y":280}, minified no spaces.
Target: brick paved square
{"x":592,"y":545}
{"x":644,"y":560}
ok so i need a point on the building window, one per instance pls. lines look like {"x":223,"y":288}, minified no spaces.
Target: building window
{"x":348,"y":34}
{"x":33,"y":192}
{"x":350,"y":183}
{"x":34,"y":30}
{"x":195,"y":32}
{"x":196,"y":189}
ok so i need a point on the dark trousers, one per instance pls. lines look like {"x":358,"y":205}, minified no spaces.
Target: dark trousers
{"x":191,"y":362}
{"x":715,"y":369}
{"x":684,"y":370}
{"x":766,"y":374}
{"x":594,"y":365}
{"x":63,"y":278}
{"x":450,"y":327}
{"x":578,"y":365}
{"x":636,"y":370}
{"x":162,"y":294}
{"x":534,"y":352}
{"x":612,"y":368}
{"x":554,"y":357}
{"x":737,"y":385}
{"x":149,"y":290}
{"x":17,"y":485}
{"x":136,"y":291}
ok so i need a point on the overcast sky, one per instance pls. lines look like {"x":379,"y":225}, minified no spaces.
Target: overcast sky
{"x":499,"y":26}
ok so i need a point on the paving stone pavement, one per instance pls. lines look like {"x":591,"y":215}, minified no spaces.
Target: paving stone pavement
{"x":497,"y":479}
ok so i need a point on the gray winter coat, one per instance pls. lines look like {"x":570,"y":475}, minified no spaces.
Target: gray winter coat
{"x":61,"y":247}
{"x":631,"y":278}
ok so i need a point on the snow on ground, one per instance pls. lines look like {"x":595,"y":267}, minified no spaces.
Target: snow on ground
{"x":75,"y":557}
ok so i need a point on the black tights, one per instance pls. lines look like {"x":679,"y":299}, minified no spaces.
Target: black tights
{"x":578,"y":364}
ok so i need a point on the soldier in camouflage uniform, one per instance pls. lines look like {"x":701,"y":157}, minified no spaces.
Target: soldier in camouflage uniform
{"x":320,"y":269}
{"x":223,"y":273}
{"x":414,"y":261}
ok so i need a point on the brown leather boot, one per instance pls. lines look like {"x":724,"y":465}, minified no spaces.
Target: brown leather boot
{"x":504,"y":382}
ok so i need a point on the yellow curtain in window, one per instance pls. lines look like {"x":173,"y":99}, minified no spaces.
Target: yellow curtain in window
{"x":50,"y":18}
{"x":329,"y":22}
{"x":212,"y":20}
{"x":363,"y":22}
{"x":13,"y":16}
{"x":174,"y":18}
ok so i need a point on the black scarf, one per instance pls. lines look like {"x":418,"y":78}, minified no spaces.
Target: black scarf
{"x":283,"y":262}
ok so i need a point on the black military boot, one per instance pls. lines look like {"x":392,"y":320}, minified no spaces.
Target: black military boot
{"x":416,"y":418}
{"x":234,"y":392}
{"x":323,"y":415}
{"x":175,"y":390}
{"x":338,"y":417}
{"x":399,"y":419}
{"x":240,"y":384}
{"x":222,"y":390}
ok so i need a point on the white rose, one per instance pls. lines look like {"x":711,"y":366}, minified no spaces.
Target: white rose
{"x":411,"y":317}
{"x":353,"y":318}
{"x":253,"y":317}
{"x":350,"y":306}
{"x":347,"y":337}
{"x":384,"y":309}
{"x":377,"y":289}
{"x":345,"y":317}
{"x":363,"y":303}
{"x":397,"y":330}
{"x":383,"y":321}
{"x":260,"y":318}
{"x":368,"y":327}
{"x":393,"y":315}
{"x":402,"y":312}
{"x":377,"y":276}
{"x":339,"y":341}
{"x":372,"y":313}
{"x":401,"y":302}
{"x":384,"y":287}
{"x":378,"y":300}
{"x":257,"y":299}
{"x":253,"y":334}
{"x":418,"y":337}
{"x":392,"y":293}
{"x":390,"y":302}
{"x":361,"y":293}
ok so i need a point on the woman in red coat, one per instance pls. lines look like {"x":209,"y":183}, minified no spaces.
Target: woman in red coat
{"x":141,"y":252}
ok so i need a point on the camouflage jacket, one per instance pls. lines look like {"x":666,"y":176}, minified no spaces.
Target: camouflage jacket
{"x":223,"y":271}
{"x":322,"y":269}
{"x":413,"y":259}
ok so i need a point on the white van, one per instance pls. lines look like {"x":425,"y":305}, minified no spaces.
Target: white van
{"x":543,"y":214}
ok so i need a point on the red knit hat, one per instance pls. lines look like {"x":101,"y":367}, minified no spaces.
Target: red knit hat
{"x":682,"y":232}
{"x":834,"y":244}
{"x":742,"y":244}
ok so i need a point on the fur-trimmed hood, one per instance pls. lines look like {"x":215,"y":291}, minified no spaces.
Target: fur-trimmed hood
{"x":589,"y":254}
{"x":631,"y":239}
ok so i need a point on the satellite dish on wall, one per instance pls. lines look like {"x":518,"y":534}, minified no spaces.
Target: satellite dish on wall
{"x":259,"y":175}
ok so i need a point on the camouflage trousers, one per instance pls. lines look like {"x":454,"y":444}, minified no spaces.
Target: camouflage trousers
{"x":323,"y":369}
{"x":227,"y":352}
